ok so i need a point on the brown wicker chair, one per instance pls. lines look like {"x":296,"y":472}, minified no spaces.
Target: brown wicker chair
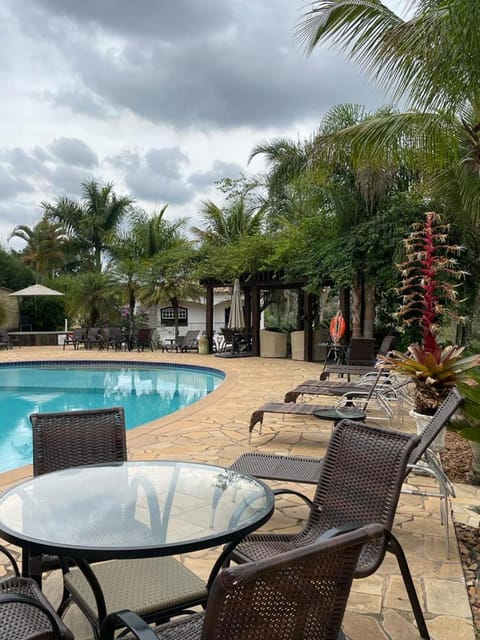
{"x":360,"y":481}
{"x":298,"y":595}
{"x":77,"y":438}
{"x":25,"y":613}
{"x":307,"y":469}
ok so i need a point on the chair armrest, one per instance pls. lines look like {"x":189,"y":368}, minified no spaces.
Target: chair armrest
{"x":281,"y":491}
{"x":128,"y":619}
{"x":21,"y":599}
{"x":10,"y":556}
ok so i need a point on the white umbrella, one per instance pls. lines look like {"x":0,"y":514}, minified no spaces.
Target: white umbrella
{"x":236,"y":319}
{"x":36,"y":290}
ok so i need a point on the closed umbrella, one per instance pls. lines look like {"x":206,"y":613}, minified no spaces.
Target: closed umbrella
{"x":236,"y":319}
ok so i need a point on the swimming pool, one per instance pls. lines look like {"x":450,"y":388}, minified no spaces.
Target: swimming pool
{"x":145,"y":391}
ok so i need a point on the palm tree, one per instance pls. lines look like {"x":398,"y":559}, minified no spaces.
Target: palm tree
{"x":228,"y":224}
{"x":94,"y":220}
{"x":431,"y":61}
{"x":46,"y":246}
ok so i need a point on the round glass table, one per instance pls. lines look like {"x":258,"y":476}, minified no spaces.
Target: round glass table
{"x":337,"y":414}
{"x":133,"y":509}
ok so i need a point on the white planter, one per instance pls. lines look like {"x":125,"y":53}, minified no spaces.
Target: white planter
{"x":421,"y":421}
{"x":297,"y":339}
{"x":273,"y":344}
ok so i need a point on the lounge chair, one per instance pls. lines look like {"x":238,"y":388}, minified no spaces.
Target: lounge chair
{"x":307,"y":469}
{"x":361,"y":351}
{"x":360,"y":482}
{"x":298,"y":595}
{"x":347,"y":403}
{"x":97,"y":436}
{"x":190,"y":341}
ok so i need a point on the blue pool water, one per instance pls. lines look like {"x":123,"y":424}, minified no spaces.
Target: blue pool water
{"x":146,"y":392}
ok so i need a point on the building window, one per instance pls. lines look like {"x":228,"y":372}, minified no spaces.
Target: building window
{"x":167,"y":316}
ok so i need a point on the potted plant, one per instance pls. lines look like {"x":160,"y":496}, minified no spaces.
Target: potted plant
{"x":429,"y":276}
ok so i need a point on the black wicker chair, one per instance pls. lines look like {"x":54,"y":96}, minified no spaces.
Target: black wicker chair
{"x":25,"y":613}
{"x":307,"y":469}
{"x":297,"y":595}
{"x":360,"y":481}
{"x":96,"y":436}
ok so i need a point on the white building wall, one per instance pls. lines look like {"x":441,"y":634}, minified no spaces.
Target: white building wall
{"x":196,"y":316}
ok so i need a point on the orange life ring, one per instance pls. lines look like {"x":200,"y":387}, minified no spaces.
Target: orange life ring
{"x":338,"y":327}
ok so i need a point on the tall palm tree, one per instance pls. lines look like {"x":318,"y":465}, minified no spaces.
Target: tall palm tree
{"x":94,"y":220}
{"x":46,"y":246}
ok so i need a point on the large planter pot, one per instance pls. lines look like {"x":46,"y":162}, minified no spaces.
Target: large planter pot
{"x":297,"y":339}
{"x":421,"y":421}
{"x":273,"y":344}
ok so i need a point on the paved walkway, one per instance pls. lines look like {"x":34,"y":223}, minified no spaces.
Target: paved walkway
{"x":216,"y":430}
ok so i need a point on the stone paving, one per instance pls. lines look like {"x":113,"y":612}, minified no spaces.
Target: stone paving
{"x":215,"y":430}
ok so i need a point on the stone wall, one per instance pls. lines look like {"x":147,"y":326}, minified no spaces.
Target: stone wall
{"x":10,"y":305}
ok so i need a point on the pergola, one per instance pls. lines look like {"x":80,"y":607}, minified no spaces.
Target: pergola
{"x":252,"y":287}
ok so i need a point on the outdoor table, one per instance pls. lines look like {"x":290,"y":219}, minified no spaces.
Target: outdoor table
{"x":93,"y":513}
{"x":340,"y":413}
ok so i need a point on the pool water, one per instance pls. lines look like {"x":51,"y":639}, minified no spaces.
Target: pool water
{"x":145,"y":392}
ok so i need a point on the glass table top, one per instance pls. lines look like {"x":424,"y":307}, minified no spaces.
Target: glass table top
{"x":352,"y":413}
{"x":133,"y":508}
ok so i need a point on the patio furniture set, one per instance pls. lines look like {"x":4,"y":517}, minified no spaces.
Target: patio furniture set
{"x":110,"y":337}
{"x":113,"y":526}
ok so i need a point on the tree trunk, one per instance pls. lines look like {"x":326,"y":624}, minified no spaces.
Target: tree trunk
{"x":357,"y":291}
{"x":369,"y":310}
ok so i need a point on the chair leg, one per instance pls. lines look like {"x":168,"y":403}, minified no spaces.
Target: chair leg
{"x":394,"y":547}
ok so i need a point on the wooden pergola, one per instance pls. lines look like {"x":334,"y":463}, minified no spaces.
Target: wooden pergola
{"x":252,"y":287}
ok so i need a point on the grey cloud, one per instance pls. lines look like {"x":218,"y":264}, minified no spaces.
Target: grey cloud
{"x":127,"y":159}
{"x":74,"y":152}
{"x":219,"y":170}
{"x":147,"y":186}
{"x":166,"y":161}
{"x":241,"y":67}
{"x":82,"y":101}
{"x":12,"y":185}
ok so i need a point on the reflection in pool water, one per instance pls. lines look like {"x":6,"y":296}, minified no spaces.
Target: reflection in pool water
{"x":146,"y":392}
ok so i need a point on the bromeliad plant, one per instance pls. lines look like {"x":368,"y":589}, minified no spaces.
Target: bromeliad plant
{"x":430,"y":277}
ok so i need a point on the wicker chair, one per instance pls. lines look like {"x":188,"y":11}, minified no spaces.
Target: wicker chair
{"x":144,"y":339}
{"x":360,"y":481}
{"x":77,"y":438}
{"x":298,"y":595}
{"x":75,"y":338}
{"x":308,"y":469}
{"x":25,"y":613}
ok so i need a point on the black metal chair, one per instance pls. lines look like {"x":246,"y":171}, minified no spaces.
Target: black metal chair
{"x":297,"y":595}
{"x":144,"y":339}
{"x":360,"y":481}
{"x":96,"y":436}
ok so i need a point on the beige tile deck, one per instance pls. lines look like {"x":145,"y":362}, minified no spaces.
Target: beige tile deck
{"x":216,"y":430}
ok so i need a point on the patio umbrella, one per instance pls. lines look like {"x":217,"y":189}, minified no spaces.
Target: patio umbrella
{"x":236,"y":319}
{"x":36,"y":290}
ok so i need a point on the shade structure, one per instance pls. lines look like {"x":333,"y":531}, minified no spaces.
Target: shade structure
{"x":36,"y":290}
{"x":236,"y":319}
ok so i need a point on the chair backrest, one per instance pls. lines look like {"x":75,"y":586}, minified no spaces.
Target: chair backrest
{"x":361,"y":351}
{"x":360,"y":481}
{"x":76,"y":438}
{"x":442,"y":415}
{"x":191,"y":336}
{"x":300,"y":594}
{"x":387,"y":345}
{"x":94,"y":333}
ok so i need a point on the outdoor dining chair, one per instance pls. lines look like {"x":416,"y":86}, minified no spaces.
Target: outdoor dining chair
{"x":297,"y":595}
{"x":75,"y":338}
{"x":360,"y":480}
{"x":25,"y":612}
{"x":96,"y":436}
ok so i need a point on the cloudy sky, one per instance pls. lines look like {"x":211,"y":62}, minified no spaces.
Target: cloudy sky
{"x":162,"y":98}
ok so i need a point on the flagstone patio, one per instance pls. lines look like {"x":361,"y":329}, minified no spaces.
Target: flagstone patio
{"x":215,"y":430}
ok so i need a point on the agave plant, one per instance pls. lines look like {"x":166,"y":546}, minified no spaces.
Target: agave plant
{"x":429,"y":273}
{"x":433,"y":373}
